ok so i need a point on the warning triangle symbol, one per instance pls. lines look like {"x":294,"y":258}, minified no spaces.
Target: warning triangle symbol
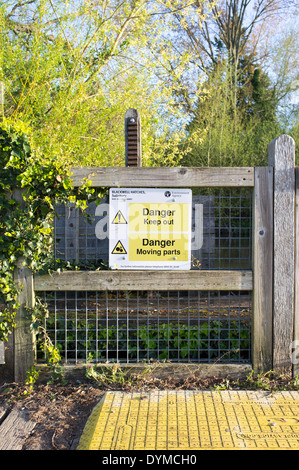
{"x":119,"y":219}
{"x":118,"y":249}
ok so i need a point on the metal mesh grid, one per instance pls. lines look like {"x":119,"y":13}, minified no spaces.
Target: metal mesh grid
{"x":128,"y":327}
{"x":180,"y":326}
{"x":226,"y":231}
{"x":233,"y":209}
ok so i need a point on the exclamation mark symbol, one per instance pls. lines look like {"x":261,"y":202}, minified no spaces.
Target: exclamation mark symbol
{"x":119,"y":218}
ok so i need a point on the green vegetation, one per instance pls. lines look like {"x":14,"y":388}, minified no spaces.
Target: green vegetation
{"x":238,"y":129}
{"x":29,"y":190}
{"x":214,"y":83}
{"x":166,"y":341}
{"x":127,"y":378}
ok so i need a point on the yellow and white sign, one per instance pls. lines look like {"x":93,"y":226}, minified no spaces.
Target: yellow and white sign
{"x":150,"y":228}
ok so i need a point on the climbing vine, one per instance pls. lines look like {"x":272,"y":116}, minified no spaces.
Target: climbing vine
{"x":30,"y":187}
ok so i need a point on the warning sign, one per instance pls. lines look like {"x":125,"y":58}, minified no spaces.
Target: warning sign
{"x":150,"y":228}
{"x":119,"y":218}
{"x":119,"y":248}
{"x":158,"y":217}
{"x":154,"y":247}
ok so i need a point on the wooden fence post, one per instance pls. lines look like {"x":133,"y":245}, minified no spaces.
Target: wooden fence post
{"x":262,"y":269}
{"x":20,"y":349}
{"x":24,"y":342}
{"x":295,"y":358}
{"x":282,"y":158}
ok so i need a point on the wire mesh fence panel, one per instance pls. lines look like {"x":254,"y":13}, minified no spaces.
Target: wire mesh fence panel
{"x":225,"y":232}
{"x":128,"y":327}
{"x":135,"y":326}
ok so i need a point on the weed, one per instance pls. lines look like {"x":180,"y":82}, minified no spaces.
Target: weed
{"x":109,"y":376}
{"x":31,"y":378}
{"x":226,"y":385}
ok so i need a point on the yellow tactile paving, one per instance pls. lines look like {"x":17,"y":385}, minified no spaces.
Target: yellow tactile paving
{"x":192,"y":420}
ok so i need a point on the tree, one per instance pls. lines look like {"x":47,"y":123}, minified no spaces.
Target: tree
{"x":233,"y":135}
{"x":235,"y":98}
{"x":71,"y":70}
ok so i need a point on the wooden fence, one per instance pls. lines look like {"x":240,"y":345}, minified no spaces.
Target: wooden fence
{"x":273,"y":279}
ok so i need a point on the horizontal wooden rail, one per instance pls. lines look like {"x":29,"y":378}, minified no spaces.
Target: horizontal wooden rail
{"x":163,"y":177}
{"x":144,"y":280}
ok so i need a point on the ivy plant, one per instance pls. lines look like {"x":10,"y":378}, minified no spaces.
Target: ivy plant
{"x":30,"y":187}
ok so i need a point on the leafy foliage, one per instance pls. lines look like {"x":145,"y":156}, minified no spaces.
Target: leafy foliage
{"x":236,"y":121}
{"x":29,"y":191}
{"x":72,"y":70}
{"x":165,"y":341}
